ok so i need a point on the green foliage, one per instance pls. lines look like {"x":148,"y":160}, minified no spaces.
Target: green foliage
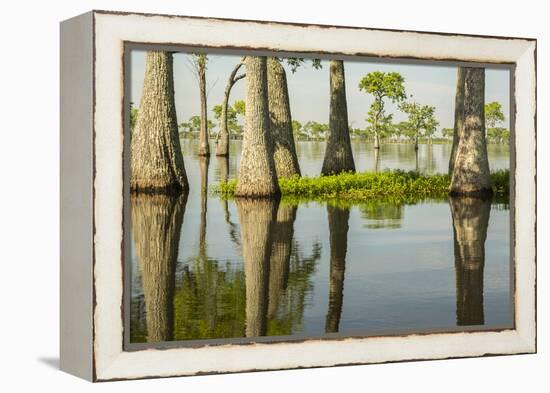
{"x":398,"y":186}
{"x":494,"y":117}
{"x":315,"y":130}
{"x":210,"y":301}
{"x":498,"y":135}
{"x":421,"y":120}
{"x":382,"y":85}
{"x":447,"y":132}
{"x":493,"y":114}
{"x":192,"y":126}
{"x":381,"y":214}
{"x":296,"y":62}
{"x":233,"y":125}
{"x":296,"y":128}
{"x":240,"y":107}
{"x":133,"y":115}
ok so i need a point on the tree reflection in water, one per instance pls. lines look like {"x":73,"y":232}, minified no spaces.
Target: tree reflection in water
{"x":470,"y":222}
{"x":268,"y":292}
{"x":338,"y":223}
{"x":381,"y":214}
{"x":256,"y":217}
{"x":156,"y":225}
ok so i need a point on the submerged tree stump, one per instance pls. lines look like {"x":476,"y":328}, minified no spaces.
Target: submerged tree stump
{"x":257,"y":174}
{"x":156,"y":157}
{"x":338,"y":154}
{"x":286,"y":160}
{"x":471,"y":175}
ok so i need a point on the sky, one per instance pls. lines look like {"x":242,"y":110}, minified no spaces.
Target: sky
{"x":432,"y":85}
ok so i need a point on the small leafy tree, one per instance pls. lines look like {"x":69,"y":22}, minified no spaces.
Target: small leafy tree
{"x":494,"y":117}
{"x":382,"y":86}
{"x":493,"y":114}
{"x":421,"y":120}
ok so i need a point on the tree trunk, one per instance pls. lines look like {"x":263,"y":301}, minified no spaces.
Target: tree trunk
{"x":204,"y":147}
{"x":257,"y":174}
{"x":459,"y":115}
{"x":286,"y":160}
{"x":156,"y":226}
{"x":376,"y":160}
{"x":156,"y":157}
{"x":222,"y":148}
{"x":470,"y":222}
{"x":338,"y":154}
{"x":471,"y":174}
{"x":279,"y":265}
{"x":256,"y":217}
{"x":338,"y":219}
{"x":376,"y":140}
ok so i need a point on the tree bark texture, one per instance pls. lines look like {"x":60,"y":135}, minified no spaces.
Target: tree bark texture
{"x":471,"y":175}
{"x":338,"y":223}
{"x":257,"y":174}
{"x":156,"y":157}
{"x":286,"y":160}
{"x":222,"y":149}
{"x":338,"y":154}
{"x":156,"y":226}
{"x":470,"y":222}
{"x":256,"y":217}
{"x":204,"y":147}
{"x":459,"y":115}
{"x":279,"y":265}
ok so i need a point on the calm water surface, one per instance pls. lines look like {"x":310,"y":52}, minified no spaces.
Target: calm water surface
{"x":203,"y":268}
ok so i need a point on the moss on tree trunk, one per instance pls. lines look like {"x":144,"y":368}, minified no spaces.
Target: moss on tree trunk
{"x":156,"y":226}
{"x":257,"y":174}
{"x":470,"y":222}
{"x":256,"y":217}
{"x":459,"y":115}
{"x":286,"y":160}
{"x":338,"y":220}
{"x":338,"y":154}
{"x":471,"y":175}
{"x":156,"y":158}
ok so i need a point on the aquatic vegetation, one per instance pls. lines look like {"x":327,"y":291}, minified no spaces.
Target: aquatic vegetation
{"x":398,"y":186}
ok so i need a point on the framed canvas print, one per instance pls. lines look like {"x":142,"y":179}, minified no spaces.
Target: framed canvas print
{"x":248,"y":195}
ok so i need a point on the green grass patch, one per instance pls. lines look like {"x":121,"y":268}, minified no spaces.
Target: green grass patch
{"x":399,"y":186}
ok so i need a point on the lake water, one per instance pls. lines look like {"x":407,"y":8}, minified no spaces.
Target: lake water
{"x":204,"y":268}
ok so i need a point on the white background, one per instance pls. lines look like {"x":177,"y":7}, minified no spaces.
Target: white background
{"x":29,"y":196}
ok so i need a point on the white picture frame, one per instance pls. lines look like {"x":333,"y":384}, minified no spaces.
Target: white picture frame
{"x":92,"y":193}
